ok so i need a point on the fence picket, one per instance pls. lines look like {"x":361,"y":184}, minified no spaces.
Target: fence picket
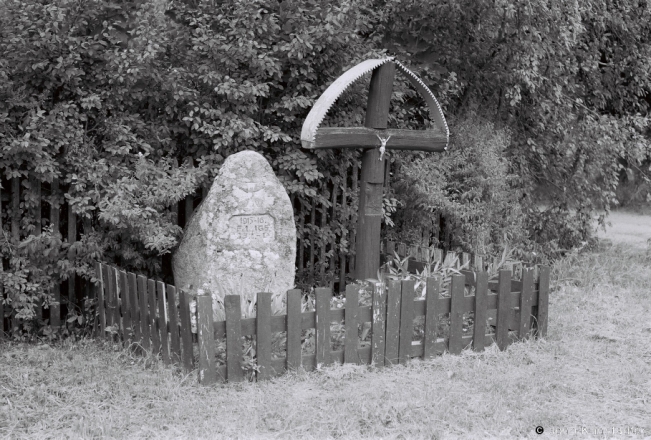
{"x":333,"y":249}
{"x":323,"y":296}
{"x":144,"y":313}
{"x":114,"y":274}
{"x":351,"y":312}
{"x":207,"y":370}
{"x":162,"y":322}
{"x":125,"y":300}
{"x":55,"y":306}
{"x":263,"y":336}
{"x":153,"y":328}
{"x":187,"y":351}
{"x":173,"y":316}
{"x":344,"y":221}
{"x":72,"y":238}
{"x":392,"y":338}
{"x":101,"y":310}
{"x":134,"y":306}
{"x":293,"y":329}
{"x":322,"y":246}
{"x":526,"y":297}
{"x":406,"y":320}
{"x":311,"y":274}
{"x":233,"y":338}
{"x":503,"y":309}
{"x":107,"y":296}
{"x":433,"y":287}
{"x":481,"y":292}
{"x":543,"y":301}
{"x":352,"y":228}
{"x":457,"y":287}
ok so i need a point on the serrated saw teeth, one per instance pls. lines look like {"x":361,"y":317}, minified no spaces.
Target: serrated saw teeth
{"x":331,"y":94}
{"x":434,"y":107}
{"x":335,"y":90}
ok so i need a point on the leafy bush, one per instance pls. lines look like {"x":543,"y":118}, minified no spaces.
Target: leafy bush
{"x":470,"y":185}
{"x":113,"y":100}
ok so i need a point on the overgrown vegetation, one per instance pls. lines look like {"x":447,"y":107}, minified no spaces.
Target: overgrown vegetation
{"x":112,"y":101}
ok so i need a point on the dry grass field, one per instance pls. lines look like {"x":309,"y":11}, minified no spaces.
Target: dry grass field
{"x":590,"y":378}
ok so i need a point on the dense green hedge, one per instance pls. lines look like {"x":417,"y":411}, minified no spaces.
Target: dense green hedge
{"x":109,"y":96}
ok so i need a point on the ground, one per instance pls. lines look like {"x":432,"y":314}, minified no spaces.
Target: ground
{"x":631,"y":227}
{"x":589,"y":378}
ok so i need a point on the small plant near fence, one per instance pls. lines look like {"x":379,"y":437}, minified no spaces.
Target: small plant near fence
{"x":380,"y":322}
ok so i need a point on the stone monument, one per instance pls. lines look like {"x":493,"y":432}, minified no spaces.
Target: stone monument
{"x":241,"y":239}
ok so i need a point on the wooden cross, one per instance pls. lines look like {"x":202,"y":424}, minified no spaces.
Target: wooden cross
{"x":374,"y":137}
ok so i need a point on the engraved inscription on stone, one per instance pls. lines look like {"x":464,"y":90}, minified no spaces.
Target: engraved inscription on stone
{"x":253,"y":227}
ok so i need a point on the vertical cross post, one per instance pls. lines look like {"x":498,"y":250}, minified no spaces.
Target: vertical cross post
{"x":369,"y":219}
{"x":373,"y":138}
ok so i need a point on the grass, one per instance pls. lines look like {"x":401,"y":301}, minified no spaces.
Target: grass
{"x":592,"y":374}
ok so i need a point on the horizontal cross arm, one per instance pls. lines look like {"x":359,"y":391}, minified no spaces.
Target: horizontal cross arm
{"x":362,"y":137}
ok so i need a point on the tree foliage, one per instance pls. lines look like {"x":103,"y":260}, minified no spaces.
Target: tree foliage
{"x":116,"y":99}
{"x":570,"y":80}
{"x":132,"y":105}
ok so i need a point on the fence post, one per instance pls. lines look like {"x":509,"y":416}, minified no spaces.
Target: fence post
{"x":543,"y":301}
{"x":526,"y":296}
{"x":457,"y":288}
{"x":233,"y":338}
{"x":55,"y":219}
{"x":172,"y":310}
{"x":263,"y":335}
{"x":206,"y":336}
{"x":144,"y":314}
{"x":153,"y":327}
{"x":481,"y":299}
{"x":125,"y":303}
{"x":406,"y":320}
{"x":378,"y":329}
{"x":323,"y":296}
{"x":431,"y":316}
{"x":162,"y":321}
{"x":186,"y":330}
{"x":352,"y":307}
{"x":392,"y":339}
{"x":294,"y":329}
{"x":72,"y":237}
{"x":503,"y":309}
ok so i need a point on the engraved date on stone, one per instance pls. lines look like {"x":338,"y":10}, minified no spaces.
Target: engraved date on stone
{"x":252,"y":227}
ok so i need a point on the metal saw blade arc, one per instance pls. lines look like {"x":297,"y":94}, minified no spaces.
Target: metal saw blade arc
{"x":331,"y":94}
{"x":432,"y":103}
{"x":334,"y":91}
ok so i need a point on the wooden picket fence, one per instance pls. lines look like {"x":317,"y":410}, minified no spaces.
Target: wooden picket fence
{"x":148,"y":313}
{"x":518,"y":306}
{"x":158,"y":318}
{"x":320,"y":259}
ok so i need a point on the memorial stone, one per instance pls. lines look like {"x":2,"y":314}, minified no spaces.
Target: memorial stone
{"x":241,"y":239}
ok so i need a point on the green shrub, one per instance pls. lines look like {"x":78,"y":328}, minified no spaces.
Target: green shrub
{"x":470,"y":185}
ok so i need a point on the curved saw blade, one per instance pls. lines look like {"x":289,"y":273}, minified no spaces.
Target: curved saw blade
{"x":434,"y":108}
{"x":332,"y":93}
